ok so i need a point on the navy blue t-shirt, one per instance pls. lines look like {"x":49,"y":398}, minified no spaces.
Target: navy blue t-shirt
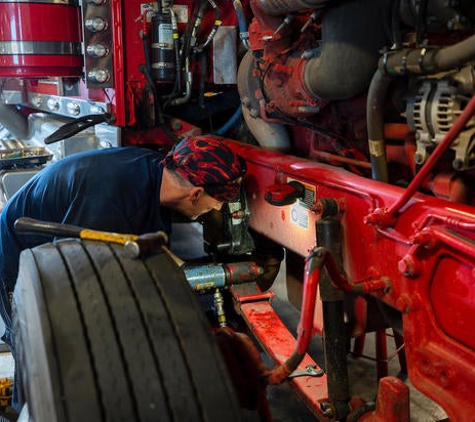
{"x":115,"y":189}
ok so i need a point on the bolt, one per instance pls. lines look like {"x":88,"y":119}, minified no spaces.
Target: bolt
{"x":246,"y":101}
{"x":254,"y":113}
{"x":408,"y":266}
{"x":418,"y":158}
{"x":327,"y":409}
{"x":457,"y":164}
{"x":176,"y":125}
{"x":406,"y":303}
{"x":403,"y":303}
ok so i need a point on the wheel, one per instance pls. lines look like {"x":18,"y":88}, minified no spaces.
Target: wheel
{"x":101,"y":337}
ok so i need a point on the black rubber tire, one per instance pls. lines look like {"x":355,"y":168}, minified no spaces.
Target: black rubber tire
{"x":102,"y":337}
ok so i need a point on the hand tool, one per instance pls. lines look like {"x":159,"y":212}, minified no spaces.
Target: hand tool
{"x":310,"y":371}
{"x":200,"y":277}
{"x":134,"y":245}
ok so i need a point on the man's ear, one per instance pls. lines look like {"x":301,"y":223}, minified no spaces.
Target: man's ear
{"x":195,"y":194}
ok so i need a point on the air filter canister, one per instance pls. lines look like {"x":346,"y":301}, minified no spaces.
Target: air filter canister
{"x":40,"y":39}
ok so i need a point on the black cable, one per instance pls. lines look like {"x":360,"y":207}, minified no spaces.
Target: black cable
{"x":217,"y":24}
{"x":421,"y":22}
{"x":396,"y":25}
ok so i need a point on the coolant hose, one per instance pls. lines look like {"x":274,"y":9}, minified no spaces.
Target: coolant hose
{"x":426,"y":60}
{"x":375,"y":123}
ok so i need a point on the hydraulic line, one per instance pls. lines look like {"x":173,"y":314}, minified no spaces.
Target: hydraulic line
{"x":216,"y":25}
{"x":242,"y":23}
{"x":176,"y":45}
{"x":312,"y":273}
{"x":231,"y":122}
{"x":147,"y":72}
{"x":318,"y":258}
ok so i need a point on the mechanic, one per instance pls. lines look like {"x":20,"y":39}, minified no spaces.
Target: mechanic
{"x":124,"y":190}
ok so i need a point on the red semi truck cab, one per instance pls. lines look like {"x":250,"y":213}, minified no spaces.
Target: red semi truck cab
{"x":356,"y":122}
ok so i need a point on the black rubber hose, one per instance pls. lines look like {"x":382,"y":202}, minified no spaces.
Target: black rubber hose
{"x":282,"y":7}
{"x":353,"y":34}
{"x":375,"y":125}
{"x":402,"y":63}
{"x":426,"y":61}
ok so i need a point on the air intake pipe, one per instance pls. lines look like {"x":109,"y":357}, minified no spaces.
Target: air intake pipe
{"x":353,"y":33}
{"x":282,"y":7}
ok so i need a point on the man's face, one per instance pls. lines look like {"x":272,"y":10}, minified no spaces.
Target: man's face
{"x":202,"y":205}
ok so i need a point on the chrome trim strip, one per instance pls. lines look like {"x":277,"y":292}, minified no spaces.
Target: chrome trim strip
{"x":40,"y":47}
{"x":64,"y":105}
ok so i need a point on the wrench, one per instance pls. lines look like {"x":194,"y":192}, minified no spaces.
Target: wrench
{"x":310,"y":371}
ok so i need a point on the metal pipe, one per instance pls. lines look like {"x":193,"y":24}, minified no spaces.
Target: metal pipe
{"x":188,"y":84}
{"x":273,"y":136}
{"x":313,"y":266}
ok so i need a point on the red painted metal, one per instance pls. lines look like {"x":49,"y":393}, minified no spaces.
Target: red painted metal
{"x":46,"y":24}
{"x":305,"y":329}
{"x":386,"y":217}
{"x":392,"y":404}
{"x":278,"y":71}
{"x":440,"y":350}
{"x":418,"y":254}
{"x":118,"y":97}
{"x":279,"y":344}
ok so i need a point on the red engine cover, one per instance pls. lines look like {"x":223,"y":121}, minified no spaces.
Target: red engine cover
{"x":40,"y":39}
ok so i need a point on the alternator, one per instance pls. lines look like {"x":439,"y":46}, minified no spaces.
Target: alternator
{"x":434,"y":109}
